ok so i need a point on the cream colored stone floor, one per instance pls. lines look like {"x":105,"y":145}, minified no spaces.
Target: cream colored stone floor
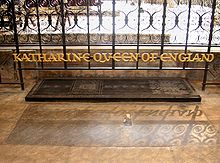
{"x":12,"y":105}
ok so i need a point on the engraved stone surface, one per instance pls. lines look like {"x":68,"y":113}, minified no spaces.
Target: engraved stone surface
{"x":145,"y":89}
{"x":51,"y":87}
{"x":86,"y":87}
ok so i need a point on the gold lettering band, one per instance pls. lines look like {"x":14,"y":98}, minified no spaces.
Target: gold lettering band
{"x":118,"y":57}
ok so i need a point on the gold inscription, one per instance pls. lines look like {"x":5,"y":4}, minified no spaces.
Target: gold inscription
{"x":117,"y":57}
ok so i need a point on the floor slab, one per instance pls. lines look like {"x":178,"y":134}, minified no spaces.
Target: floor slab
{"x":14,"y":110}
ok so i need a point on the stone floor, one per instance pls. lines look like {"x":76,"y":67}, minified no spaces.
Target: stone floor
{"x":205,"y":146}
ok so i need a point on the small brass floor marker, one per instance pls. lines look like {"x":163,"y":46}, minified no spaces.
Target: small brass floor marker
{"x":127,"y":120}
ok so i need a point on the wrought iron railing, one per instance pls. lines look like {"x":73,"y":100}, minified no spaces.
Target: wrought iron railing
{"x":111,"y":23}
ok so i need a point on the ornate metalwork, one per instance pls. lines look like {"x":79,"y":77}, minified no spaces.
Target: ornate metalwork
{"x":100,"y":14}
{"x":103,"y":22}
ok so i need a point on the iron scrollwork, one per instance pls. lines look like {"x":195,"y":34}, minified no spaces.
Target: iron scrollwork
{"x":100,"y":15}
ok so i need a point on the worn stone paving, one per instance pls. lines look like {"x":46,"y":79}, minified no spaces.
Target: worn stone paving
{"x":14,"y":111}
{"x":115,"y":126}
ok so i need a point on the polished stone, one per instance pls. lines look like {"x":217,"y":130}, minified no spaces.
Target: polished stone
{"x":175,"y":125}
{"x":13,"y":110}
{"x":114,"y":89}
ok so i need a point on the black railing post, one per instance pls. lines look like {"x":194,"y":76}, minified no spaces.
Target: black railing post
{"x":17,"y":43}
{"x":39,"y":33}
{"x":163,"y":31}
{"x":113,"y":32}
{"x":138,"y":32}
{"x":209,"y":44}
{"x":88,"y":34}
{"x":63,"y":32}
{"x":187,"y":30}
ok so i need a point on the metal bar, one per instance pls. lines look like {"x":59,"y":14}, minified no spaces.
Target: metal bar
{"x":167,"y":45}
{"x":39,"y":33}
{"x":187,"y":31}
{"x":163,"y":31}
{"x":88,"y":33}
{"x":138,"y":32}
{"x":63,"y":31}
{"x":17,"y":43}
{"x":212,"y":83}
{"x":116,"y":68}
{"x":113,"y":32}
{"x":9,"y":83}
{"x":209,"y":44}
